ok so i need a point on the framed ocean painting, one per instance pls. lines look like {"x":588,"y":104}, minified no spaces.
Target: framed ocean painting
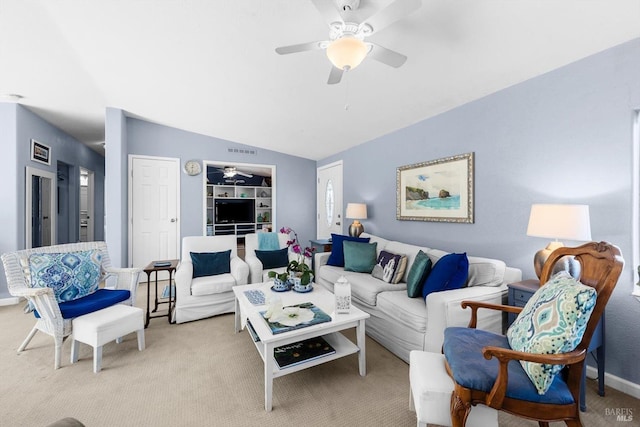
{"x":437,"y":190}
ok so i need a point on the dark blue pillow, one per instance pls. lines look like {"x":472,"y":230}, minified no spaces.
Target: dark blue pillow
{"x":273,"y":259}
{"x":337,"y":251}
{"x":210,"y":263}
{"x":450,"y":272}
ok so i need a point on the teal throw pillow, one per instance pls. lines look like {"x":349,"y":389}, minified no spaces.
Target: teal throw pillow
{"x":337,"y":252}
{"x":552,"y":322}
{"x":273,"y":259}
{"x":359,"y":257}
{"x":450,"y":272}
{"x":418,"y":273}
{"x":210,"y":263}
{"x":71,"y":275}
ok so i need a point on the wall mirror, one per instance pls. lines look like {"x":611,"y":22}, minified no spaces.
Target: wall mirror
{"x":40,"y":214}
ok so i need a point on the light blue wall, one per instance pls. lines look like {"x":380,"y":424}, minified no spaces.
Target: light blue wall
{"x":564,"y":137}
{"x":295,"y":176}
{"x":19,"y":126}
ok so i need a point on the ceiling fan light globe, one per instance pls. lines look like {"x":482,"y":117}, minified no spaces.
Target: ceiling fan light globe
{"x":347,"y":52}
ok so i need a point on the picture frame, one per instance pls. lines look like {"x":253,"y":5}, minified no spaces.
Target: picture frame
{"x":437,"y":190}
{"x":40,"y":153}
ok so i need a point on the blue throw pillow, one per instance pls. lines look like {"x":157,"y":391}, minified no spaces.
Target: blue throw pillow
{"x":359,"y":257}
{"x":450,"y":272}
{"x":273,"y":259}
{"x":71,"y":275}
{"x":337,"y":251}
{"x":210,"y":263}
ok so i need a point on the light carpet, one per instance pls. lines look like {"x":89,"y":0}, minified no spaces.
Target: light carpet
{"x":203,"y":374}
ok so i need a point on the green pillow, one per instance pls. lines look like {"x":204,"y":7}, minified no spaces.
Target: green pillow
{"x":552,"y":322}
{"x":418,"y":274}
{"x":359,"y":257}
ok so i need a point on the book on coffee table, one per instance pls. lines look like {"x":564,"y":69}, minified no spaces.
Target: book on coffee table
{"x":303,"y":351}
{"x":307,"y":314}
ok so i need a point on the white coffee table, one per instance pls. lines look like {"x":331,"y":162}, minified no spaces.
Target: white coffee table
{"x":323,"y":299}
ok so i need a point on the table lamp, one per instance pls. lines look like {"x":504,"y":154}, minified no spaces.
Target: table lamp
{"x":356,"y":211}
{"x":567,"y":222}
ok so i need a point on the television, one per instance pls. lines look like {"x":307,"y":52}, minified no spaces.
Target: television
{"x":235,"y":211}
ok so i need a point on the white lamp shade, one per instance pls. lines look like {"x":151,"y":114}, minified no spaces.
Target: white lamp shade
{"x":356,"y":211}
{"x":567,"y":222}
{"x":346,"y":52}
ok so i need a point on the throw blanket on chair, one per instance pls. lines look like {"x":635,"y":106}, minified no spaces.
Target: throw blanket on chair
{"x":268,"y":241}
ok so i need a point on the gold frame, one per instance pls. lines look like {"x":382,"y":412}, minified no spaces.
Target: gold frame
{"x":454,"y":204}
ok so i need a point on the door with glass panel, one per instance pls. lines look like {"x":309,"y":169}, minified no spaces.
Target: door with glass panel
{"x":329,"y":200}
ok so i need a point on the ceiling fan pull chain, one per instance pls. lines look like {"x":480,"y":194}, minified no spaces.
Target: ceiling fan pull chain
{"x":346,"y":88}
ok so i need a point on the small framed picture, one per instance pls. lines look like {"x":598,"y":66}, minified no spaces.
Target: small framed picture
{"x":40,"y":152}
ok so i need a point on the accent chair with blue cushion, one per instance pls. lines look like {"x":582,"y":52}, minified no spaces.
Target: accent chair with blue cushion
{"x":62,"y":282}
{"x":543,"y":381}
{"x":269,"y":256}
{"x":209,"y":269}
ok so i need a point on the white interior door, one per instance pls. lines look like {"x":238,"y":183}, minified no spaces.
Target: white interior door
{"x":154,"y":207}
{"x":86,"y":205}
{"x":329,"y":200}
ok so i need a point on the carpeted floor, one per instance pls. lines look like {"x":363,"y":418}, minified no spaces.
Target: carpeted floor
{"x":202,"y":374}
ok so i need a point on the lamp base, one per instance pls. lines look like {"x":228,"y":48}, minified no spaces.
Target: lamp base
{"x":356,"y":229}
{"x":566,"y":263}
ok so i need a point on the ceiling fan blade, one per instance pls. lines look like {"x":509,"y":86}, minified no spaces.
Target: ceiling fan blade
{"x":284,"y":50}
{"x":390,"y":14}
{"x":328,"y":11}
{"x":335,"y":76}
{"x":386,"y":56}
{"x":248,"y":175}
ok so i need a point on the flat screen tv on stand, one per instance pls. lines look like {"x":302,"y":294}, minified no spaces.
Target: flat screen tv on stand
{"x":235,"y":211}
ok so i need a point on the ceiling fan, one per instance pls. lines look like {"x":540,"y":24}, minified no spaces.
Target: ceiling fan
{"x":232,"y":171}
{"x":346,"y":47}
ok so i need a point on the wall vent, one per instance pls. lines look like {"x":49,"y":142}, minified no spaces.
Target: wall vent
{"x":242,"y":151}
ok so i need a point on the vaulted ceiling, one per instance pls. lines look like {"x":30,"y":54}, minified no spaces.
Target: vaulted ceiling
{"x":209,"y":66}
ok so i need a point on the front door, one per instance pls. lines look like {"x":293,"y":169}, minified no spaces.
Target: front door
{"x":154,"y":204}
{"x":329,"y":200}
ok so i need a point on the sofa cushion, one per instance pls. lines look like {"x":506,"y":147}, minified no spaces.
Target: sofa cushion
{"x":409,"y":312}
{"x":450,"y":272}
{"x":337,"y":252}
{"x":418,"y":274}
{"x":71,"y":275}
{"x":485,"y":271}
{"x":366,"y":288}
{"x":273,"y":258}
{"x":210,"y":263}
{"x":359,"y":257}
{"x":330,"y":275}
{"x":216,"y":284}
{"x":389,"y":267}
{"x":553,"y":321}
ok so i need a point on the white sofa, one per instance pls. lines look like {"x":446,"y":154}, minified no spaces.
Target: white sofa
{"x":402,"y":324}
{"x":210,"y":295}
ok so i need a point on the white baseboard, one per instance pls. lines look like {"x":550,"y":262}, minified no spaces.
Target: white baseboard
{"x":9,"y":301}
{"x":620,"y":384}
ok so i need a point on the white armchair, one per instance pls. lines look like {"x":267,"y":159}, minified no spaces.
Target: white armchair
{"x":257,"y":273}
{"x":54,"y":318}
{"x":201,"y":297}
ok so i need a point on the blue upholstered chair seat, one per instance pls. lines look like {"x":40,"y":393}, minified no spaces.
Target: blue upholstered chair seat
{"x":98,"y":300}
{"x":463,"y":350}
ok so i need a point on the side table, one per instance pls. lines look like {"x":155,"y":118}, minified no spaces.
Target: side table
{"x":156,"y":266}
{"x":519,"y":294}
{"x":324,"y":244}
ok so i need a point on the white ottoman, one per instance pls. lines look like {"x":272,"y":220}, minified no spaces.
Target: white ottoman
{"x":430,"y":393}
{"x":102,"y":326}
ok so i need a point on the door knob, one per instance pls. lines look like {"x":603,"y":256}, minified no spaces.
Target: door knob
{"x":338,"y":223}
{"x":174,"y":219}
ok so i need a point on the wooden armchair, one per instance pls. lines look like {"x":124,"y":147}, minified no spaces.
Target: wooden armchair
{"x":478,"y":361}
